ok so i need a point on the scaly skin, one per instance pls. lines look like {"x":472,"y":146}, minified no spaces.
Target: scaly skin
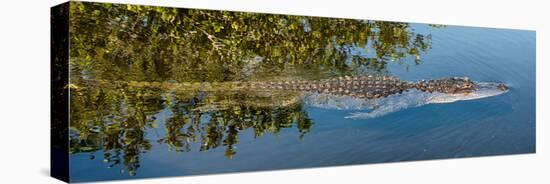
{"x":368,"y":87}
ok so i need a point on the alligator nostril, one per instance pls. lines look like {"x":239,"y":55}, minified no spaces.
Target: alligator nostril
{"x":502,"y":87}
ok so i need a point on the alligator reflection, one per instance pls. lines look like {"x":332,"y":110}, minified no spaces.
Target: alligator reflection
{"x":144,"y":43}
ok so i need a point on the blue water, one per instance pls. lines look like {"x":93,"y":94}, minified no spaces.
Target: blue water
{"x":503,"y":124}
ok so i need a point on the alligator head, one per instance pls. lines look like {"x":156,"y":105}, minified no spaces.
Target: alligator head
{"x":456,"y":85}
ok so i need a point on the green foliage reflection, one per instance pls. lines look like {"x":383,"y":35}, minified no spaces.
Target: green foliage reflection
{"x":146,"y":43}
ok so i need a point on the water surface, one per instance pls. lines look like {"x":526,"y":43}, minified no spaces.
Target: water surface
{"x":119,"y":132}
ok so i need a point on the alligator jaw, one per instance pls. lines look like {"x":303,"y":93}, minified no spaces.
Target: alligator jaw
{"x":483,"y":90}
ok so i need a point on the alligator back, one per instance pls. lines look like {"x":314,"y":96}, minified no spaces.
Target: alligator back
{"x":359,"y":87}
{"x":367,"y":86}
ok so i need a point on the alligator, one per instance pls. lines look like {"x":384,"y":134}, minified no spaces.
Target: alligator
{"x":378,"y":95}
{"x":362,"y":87}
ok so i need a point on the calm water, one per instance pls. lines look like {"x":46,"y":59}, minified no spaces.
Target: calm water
{"x":305,"y":136}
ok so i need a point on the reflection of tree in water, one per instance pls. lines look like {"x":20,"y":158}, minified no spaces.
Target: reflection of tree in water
{"x":144,"y":43}
{"x":116,"y":121}
{"x":154,"y":43}
{"x":222,"y":126}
